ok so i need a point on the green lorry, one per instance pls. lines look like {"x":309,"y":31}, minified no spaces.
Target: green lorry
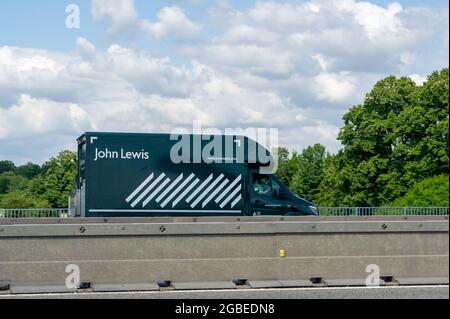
{"x":140,"y":174}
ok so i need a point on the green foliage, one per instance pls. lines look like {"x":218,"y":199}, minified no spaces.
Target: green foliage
{"x":20,"y":199}
{"x":34,"y":186}
{"x":10,"y":182}
{"x":287,"y":165}
{"x":28,"y":170}
{"x":312,"y":163}
{"x":6,"y":166}
{"x":432,"y":191}
{"x":58,"y":179}
{"x":398,"y":136}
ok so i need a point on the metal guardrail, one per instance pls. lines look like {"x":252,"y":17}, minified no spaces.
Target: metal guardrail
{"x":35,"y":213}
{"x":383,"y":211}
{"x":323,"y":211}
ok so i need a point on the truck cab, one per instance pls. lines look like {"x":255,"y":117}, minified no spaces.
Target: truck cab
{"x":268,"y":196}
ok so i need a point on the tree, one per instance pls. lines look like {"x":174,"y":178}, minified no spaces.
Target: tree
{"x":398,"y":136}
{"x":28,"y":170}
{"x":432,"y":191}
{"x":312,"y":163}
{"x":20,"y":199}
{"x":58,"y":179}
{"x":287,"y":166}
{"x":4,"y":183}
{"x":428,"y":131}
{"x":10,"y":182}
{"x":7,"y":166}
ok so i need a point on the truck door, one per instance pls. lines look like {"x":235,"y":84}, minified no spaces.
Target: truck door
{"x":267,"y":196}
{"x":81,"y":178}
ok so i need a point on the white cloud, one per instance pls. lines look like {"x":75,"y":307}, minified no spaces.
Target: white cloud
{"x":39,"y":62}
{"x":265,"y":61}
{"x":31,"y":117}
{"x":322,"y":131}
{"x":356,"y":36}
{"x":323,"y":61}
{"x":243,"y":33}
{"x":283,"y":17}
{"x":297,"y":67}
{"x":87,"y":49}
{"x":122,"y":14}
{"x":310,"y":133}
{"x":378,"y":22}
{"x":418,"y":79}
{"x":123,"y":90}
{"x":407,"y":58}
{"x":170,"y":21}
{"x":333,"y":87}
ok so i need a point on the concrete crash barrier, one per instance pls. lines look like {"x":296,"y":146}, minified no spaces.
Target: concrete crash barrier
{"x":227,"y":254}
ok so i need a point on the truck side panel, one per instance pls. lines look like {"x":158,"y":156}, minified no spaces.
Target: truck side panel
{"x":133,"y":175}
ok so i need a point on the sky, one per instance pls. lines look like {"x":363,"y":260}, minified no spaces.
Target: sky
{"x":153,"y":66}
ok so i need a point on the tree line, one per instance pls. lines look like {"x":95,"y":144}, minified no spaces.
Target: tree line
{"x":38,"y":186}
{"x":395,"y":148}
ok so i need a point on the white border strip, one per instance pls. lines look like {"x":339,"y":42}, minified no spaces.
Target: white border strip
{"x":164,"y":211}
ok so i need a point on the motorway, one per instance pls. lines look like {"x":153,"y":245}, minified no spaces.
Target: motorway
{"x":399,"y":292}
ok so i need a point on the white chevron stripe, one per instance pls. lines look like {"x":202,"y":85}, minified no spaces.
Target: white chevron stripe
{"x":237,"y":200}
{"x":230,"y":197}
{"x":176,"y":191}
{"x":168,"y":189}
{"x":210,"y":187}
{"x":216,"y":191}
{"x":147,"y":190}
{"x":228,"y":189}
{"x":155,"y":192}
{"x":199,"y":188}
{"x":187,"y":190}
{"x":140,"y":187}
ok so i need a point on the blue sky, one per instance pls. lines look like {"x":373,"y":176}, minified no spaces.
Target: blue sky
{"x":295,"y":65}
{"x":40,"y":24}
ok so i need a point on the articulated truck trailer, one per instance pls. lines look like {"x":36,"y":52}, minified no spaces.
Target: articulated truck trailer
{"x":134,"y":175}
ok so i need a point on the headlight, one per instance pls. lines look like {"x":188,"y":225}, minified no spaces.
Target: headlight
{"x":314,"y":210}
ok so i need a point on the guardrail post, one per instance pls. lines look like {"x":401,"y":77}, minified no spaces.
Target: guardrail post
{"x":405,"y":212}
